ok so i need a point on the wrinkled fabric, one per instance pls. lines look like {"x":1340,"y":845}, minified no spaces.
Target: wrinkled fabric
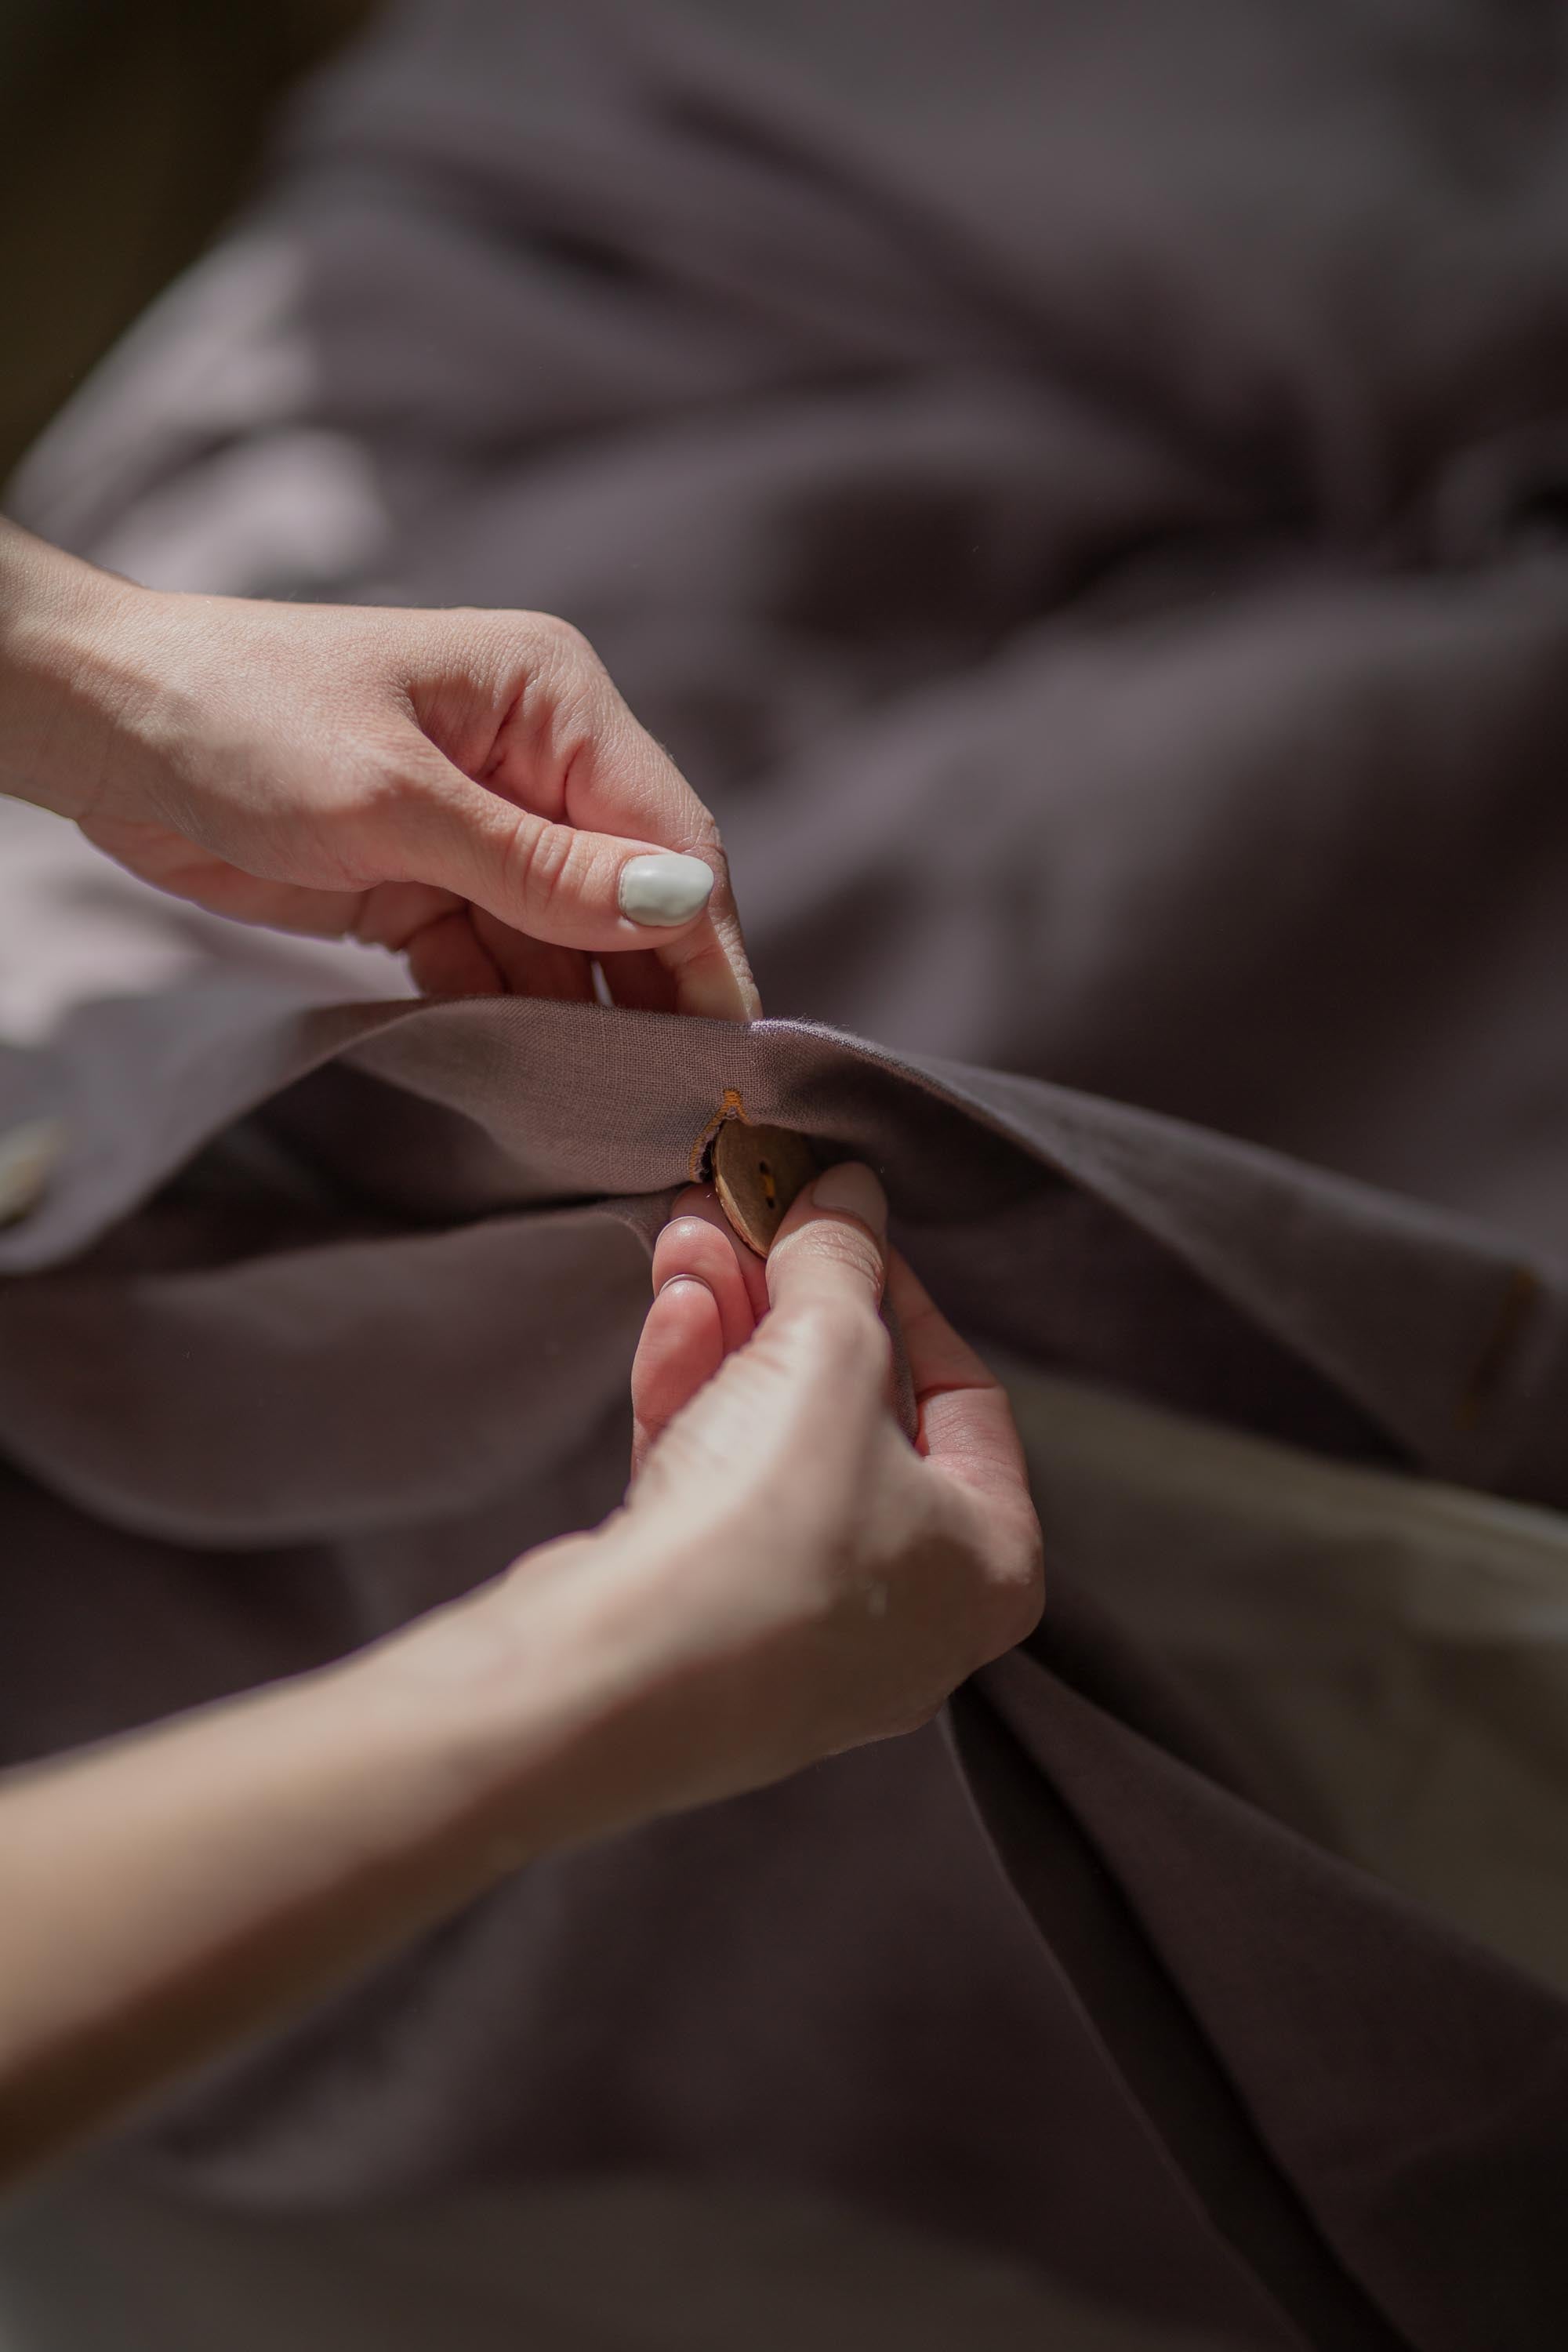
{"x":1385,"y":1658}
{"x":1083,"y":504}
{"x":1097,"y":474}
{"x":372,"y":1318}
{"x":559,"y":2270}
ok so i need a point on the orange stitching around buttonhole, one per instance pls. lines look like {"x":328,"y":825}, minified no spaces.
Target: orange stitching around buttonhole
{"x":731,"y":1107}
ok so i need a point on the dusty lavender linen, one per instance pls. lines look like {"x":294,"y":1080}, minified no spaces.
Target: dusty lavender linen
{"x":1082,"y":505}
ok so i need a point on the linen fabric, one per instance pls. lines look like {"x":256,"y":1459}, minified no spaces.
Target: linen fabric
{"x":374,"y":1318}
{"x":1081,"y":499}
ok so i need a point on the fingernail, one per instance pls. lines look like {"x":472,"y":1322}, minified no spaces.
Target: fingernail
{"x":677,"y":1281}
{"x":854,"y":1191}
{"x":664,"y":890}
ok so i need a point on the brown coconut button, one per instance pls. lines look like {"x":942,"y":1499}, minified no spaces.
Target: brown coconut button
{"x":757,"y":1172}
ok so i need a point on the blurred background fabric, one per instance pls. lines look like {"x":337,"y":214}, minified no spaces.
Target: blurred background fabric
{"x":129,"y":129}
{"x":1141,"y":433}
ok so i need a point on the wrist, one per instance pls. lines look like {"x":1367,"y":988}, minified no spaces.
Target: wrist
{"x":523,"y":1698}
{"x":598,"y":1684}
{"x":64,"y":688}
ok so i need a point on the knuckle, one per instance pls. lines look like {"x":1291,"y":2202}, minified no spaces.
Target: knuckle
{"x":1017,"y":1617}
{"x":875,"y":1346}
{"x":370,"y":815}
{"x":561,"y":646}
{"x":700,"y":836}
{"x":906,"y":1713}
{"x":849,"y":1333}
{"x":923,"y":1710}
{"x":543,"y":861}
{"x":1015,"y":1588}
{"x":847,"y":1248}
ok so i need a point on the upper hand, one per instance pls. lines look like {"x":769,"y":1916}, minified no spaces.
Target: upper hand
{"x":465,"y":787}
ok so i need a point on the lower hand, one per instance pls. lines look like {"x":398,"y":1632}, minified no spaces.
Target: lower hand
{"x":791,"y":1576}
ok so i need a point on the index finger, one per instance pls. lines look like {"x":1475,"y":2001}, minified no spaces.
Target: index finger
{"x":589,"y":763}
{"x":966,"y":1422}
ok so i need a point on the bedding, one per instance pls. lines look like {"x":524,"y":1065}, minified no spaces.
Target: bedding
{"x":1079,"y":491}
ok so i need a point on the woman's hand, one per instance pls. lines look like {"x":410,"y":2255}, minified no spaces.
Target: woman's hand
{"x":790,"y":1577}
{"x":812,"y":1580}
{"x":464,"y":787}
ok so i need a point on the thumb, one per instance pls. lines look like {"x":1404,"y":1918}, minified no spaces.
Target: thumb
{"x":573,"y":889}
{"x":806,"y":1387}
{"x":831,"y":1249}
{"x":558,"y":882}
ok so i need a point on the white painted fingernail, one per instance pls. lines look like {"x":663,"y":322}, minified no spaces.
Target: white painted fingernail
{"x":664,"y":890}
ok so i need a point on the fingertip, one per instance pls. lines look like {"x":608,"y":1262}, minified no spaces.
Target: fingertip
{"x":681,"y":1348}
{"x":832,"y":1235}
{"x":848,"y":1193}
{"x":711,"y":975}
{"x":853,"y":1190}
{"x":664,"y":890}
{"x":697,"y":1241}
{"x":687,"y":1296}
{"x":607,"y":893}
{"x":702,"y":1201}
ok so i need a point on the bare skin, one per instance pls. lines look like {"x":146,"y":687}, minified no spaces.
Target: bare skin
{"x":789,"y":1575}
{"x":169,"y":1894}
{"x":463,"y":787}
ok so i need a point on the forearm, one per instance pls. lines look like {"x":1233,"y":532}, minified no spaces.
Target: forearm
{"x":57,"y":683}
{"x":165,"y":1894}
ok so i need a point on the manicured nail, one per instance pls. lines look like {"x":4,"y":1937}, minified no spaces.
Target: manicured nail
{"x":854,"y":1191}
{"x":664,"y":890}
